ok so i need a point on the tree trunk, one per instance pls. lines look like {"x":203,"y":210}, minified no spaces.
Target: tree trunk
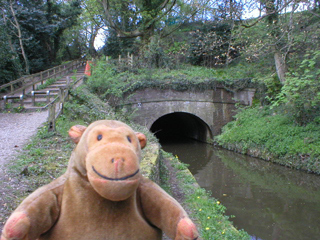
{"x":273,"y":20}
{"x":281,"y":66}
{"x":17,"y":26}
{"x":93,"y":35}
{"x":13,"y":50}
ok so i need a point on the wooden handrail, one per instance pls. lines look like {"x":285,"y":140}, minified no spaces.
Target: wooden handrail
{"x":54,"y":111}
{"x":33,"y":79}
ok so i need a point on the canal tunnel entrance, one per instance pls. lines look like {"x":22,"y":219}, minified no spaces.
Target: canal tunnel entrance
{"x":180,"y":125}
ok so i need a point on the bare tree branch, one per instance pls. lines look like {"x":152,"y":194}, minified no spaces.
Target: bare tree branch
{"x":146,"y":26}
{"x":267,"y":14}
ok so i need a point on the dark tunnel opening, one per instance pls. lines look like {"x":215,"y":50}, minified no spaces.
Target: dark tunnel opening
{"x":178,"y":126}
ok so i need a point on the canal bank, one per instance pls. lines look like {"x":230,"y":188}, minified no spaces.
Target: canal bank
{"x":273,"y":136}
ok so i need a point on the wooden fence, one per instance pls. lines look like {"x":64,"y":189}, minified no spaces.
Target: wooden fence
{"x":55,"y":107}
{"x":32,"y":80}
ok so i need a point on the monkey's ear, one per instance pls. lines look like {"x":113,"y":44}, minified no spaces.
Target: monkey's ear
{"x":76,"y":132}
{"x":142,"y":139}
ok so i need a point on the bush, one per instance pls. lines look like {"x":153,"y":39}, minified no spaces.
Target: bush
{"x":300,"y":95}
{"x":110,"y":80}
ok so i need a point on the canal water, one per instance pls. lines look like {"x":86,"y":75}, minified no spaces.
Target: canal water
{"x":268,"y":201}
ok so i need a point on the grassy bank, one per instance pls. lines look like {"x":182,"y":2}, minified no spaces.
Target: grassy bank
{"x":114,"y":80}
{"x":275,"y":137}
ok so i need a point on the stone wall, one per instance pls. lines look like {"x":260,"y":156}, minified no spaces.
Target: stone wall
{"x":214,"y":107}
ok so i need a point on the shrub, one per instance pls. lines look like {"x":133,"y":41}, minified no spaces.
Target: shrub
{"x":108,"y":79}
{"x":300,"y":94}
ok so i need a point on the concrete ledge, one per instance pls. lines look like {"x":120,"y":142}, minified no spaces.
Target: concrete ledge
{"x":150,"y":162}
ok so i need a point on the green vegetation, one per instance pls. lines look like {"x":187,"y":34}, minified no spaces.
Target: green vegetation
{"x":44,"y":158}
{"x":205,"y":210}
{"x":286,"y":127}
{"x":300,"y":94}
{"x":262,"y":132}
{"x":8,"y":108}
{"x":48,"y":82}
{"x":112,"y":80}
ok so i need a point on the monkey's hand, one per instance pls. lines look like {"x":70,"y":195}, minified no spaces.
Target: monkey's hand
{"x":186,"y":230}
{"x":17,"y":227}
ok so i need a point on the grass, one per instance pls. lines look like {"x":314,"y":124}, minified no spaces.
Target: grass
{"x":44,"y":158}
{"x":110,"y":80}
{"x":47,"y":83}
{"x":273,"y":136}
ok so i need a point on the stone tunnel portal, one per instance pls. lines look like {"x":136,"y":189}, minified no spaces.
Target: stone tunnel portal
{"x":181,"y":125}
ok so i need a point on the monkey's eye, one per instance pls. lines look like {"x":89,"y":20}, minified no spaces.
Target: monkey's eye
{"x":129,"y":139}
{"x":99,"y":137}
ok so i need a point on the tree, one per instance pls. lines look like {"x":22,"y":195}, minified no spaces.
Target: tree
{"x":212,"y":44}
{"x":92,"y":23}
{"x":18,"y":32}
{"x":132,"y":19}
{"x":35,"y":29}
{"x":280,"y":24}
{"x":10,"y":67}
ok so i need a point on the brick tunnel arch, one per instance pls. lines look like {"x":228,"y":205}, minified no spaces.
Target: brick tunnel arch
{"x":181,"y":124}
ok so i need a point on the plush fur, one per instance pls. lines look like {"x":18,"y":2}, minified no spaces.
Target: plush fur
{"x":102,"y":195}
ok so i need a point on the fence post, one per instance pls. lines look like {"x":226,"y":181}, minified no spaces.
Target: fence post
{"x":52,"y":117}
{"x":21,"y":101}
{"x":41,"y":77}
{"x":61,"y":94}
{"x":5,"y":101}
{"x":33,"y":98}
{"x":48,"y":96}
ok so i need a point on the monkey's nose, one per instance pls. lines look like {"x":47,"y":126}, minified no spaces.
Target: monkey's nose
{"x":117,"y":160}
{"x":118,"y":164}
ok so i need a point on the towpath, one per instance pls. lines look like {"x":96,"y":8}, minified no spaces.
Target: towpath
{"x":16,"y":129}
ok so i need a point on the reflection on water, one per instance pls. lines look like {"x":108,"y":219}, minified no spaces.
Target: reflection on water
{"x":268,"y":201}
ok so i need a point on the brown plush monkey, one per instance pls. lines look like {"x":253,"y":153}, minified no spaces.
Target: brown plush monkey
{"x":102,"y":195}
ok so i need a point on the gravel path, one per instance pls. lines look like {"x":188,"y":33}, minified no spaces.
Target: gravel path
{"x":15,"y":131}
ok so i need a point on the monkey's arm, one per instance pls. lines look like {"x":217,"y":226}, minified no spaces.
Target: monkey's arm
{"x":36,"y":214}
{"x":165,"y":212}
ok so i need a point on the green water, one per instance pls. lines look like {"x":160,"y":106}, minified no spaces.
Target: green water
{"x":269,"y":201}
